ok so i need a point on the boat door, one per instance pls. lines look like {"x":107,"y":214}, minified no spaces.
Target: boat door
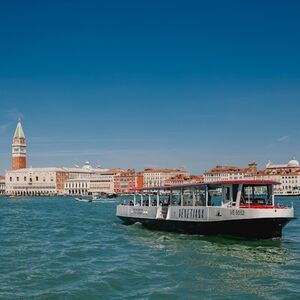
{"x":229,"y":194}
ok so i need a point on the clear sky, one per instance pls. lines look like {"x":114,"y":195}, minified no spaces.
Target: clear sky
{"x":151,"y":83}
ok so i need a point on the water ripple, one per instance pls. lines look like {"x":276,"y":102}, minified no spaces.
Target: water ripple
{"x":55,"y":248}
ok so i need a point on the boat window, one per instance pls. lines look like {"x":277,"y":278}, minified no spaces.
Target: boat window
{"x":214,"y":197}
{"x":256,"y":195}
{"x":188,"y":198}
{"x":200,"y":197}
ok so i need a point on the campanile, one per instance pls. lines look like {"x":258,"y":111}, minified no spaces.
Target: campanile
{"x":19,"y":148}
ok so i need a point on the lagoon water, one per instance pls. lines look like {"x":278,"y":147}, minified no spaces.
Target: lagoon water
{"x":56,"y":248}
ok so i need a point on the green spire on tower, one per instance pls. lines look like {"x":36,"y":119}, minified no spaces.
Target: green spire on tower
{"x":19,"y":133}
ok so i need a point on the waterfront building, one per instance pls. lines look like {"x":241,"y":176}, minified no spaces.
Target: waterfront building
{"x":2,"y":185}
{"x":19,"y":148}
{"x":83,"y":180}
{"x":140,"y":180}
{"x":104,"y":182}
{"x":91,"y":183}
{"x":125,"y":181}
{"x":221,"y":173}
{"x":157,"y":177}
{"x":77,"y":186}
{"x":287,"y":174}
{"x":182,"y":179}
{"x":35,"y":181}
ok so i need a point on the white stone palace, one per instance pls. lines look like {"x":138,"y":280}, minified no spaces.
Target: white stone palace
{"x":35,"y":181}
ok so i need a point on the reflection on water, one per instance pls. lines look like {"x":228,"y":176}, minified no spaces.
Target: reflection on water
{"x":232,"y":266}
{"x":265,"y":251}
{"x":268,"y":251}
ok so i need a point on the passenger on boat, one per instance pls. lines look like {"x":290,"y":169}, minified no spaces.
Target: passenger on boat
{"x":242,"y":201}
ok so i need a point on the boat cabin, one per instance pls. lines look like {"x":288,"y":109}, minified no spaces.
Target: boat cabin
{"x":237,"y":193}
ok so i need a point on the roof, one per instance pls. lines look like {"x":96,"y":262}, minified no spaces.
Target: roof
{"x":211,"y":184}
{"x":233,"y":169}
{"x":153,"y":170}
{"x":19,"y":133}
{"x":182,"y":177}
{"x":282,"y":171}
{"x":50,"y":169}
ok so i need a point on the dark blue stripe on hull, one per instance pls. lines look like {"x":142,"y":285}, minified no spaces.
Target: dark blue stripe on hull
{"x":250,"y":228}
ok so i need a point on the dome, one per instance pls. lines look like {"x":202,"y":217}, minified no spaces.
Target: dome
{"x":87,"y":165}
{"x":293,"y":163}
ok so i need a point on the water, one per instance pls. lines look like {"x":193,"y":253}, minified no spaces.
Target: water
{"x":56,"y":248}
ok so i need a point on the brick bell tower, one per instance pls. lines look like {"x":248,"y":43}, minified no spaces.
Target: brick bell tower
{"x":19,"y":148}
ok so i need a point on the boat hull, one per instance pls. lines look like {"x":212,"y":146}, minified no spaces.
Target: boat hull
{"x":262,"y":228}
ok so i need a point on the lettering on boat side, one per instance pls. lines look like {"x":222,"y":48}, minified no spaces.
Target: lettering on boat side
{"x":237,"y":212}
{"x":137,"y":211}
{"x":191,"y":213}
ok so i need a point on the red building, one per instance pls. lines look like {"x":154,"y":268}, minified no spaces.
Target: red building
{"x":140,"y":180}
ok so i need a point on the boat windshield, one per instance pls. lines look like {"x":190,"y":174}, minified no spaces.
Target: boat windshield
{"x":256,"y":195}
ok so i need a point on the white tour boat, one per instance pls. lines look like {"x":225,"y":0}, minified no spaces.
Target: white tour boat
{"x":243,"y":208}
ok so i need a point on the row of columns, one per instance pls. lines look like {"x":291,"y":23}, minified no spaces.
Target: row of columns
{"x":32,"y":193}
{"x":78,"y":192}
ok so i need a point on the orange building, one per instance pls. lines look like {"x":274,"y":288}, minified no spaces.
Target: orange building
{"x":125,"y":181}
{"x":61,"y":178}
{"x":19,"y":148}
{"x":140,"y":180}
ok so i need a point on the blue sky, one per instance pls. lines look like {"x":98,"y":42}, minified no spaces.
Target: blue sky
{"x":145,"y":83}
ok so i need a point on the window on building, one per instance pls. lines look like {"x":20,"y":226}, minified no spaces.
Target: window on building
{"x":17,"y":178}
{"x":25,"y":178}
{"x":36,"y":178}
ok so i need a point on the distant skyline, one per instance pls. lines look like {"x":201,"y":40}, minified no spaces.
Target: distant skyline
{"x":151,"y":84}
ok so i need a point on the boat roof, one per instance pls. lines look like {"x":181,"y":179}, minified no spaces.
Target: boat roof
{"x":210,"y":184}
